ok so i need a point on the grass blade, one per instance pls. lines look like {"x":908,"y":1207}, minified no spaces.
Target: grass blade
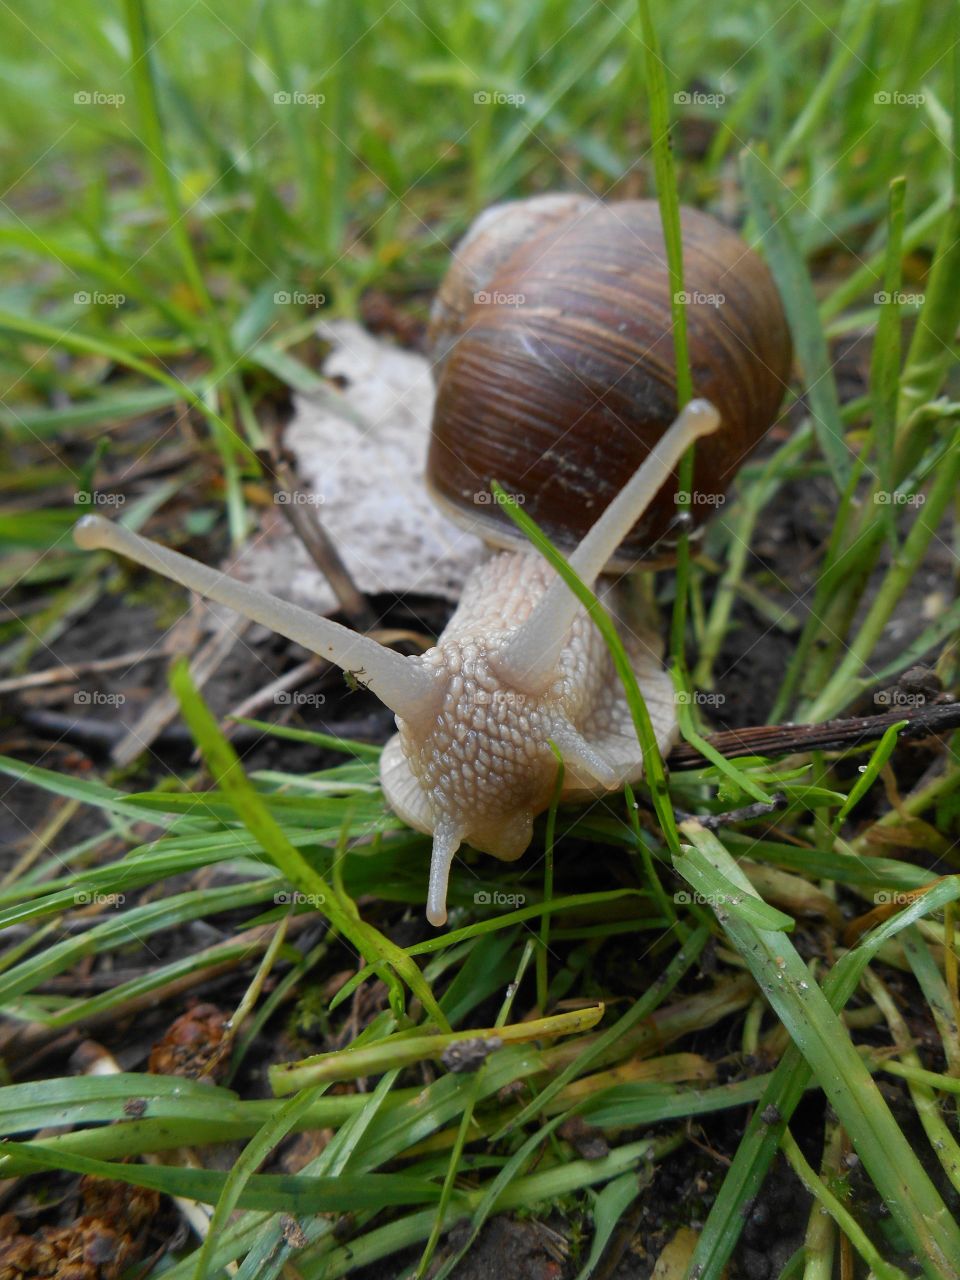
{"x":768,"y":204}
{"x":818,"y":1034}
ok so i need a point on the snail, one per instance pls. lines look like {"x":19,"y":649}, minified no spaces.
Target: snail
{"x":554,"y":357}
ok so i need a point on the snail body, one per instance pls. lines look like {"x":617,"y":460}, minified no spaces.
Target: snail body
{"x":483,"y":768}
{"x":521,"y":666}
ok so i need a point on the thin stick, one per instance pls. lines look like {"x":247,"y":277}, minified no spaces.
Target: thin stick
{"x":320,"y":546}
{"x":40,"y":843}
{"x":264,"y":696}
{"x":831,"y":735}
{"x":68,"y":673}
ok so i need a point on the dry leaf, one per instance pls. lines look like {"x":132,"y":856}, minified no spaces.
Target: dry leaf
{"x":364,"y":472}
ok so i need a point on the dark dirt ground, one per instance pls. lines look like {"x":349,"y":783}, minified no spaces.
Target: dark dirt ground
{"x":51,"y":729}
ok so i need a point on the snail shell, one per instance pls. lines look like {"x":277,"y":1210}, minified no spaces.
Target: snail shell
{"x":490,"y":240}
{"x":560,"y":379}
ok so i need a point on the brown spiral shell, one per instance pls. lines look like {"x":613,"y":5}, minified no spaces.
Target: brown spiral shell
{"x":559,"y":380}
{"x":490,"y":240}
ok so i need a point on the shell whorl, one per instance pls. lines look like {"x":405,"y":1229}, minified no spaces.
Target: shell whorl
{"x":561,"y":377}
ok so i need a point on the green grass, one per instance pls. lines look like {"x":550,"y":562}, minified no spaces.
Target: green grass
{"x":146,"y":239}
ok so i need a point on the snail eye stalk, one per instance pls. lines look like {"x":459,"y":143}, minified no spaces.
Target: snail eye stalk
{"x":400,"y":682}
{"x":529,"y":658}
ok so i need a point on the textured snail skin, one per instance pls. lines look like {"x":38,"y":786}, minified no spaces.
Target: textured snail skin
{"x":561,"y":383}
{"x":481,"y":767}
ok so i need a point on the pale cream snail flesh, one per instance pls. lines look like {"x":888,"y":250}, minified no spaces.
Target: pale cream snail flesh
{"x":519,"y":665}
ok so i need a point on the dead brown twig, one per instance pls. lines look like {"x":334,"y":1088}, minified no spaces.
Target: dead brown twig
{"x":831,"y":735}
